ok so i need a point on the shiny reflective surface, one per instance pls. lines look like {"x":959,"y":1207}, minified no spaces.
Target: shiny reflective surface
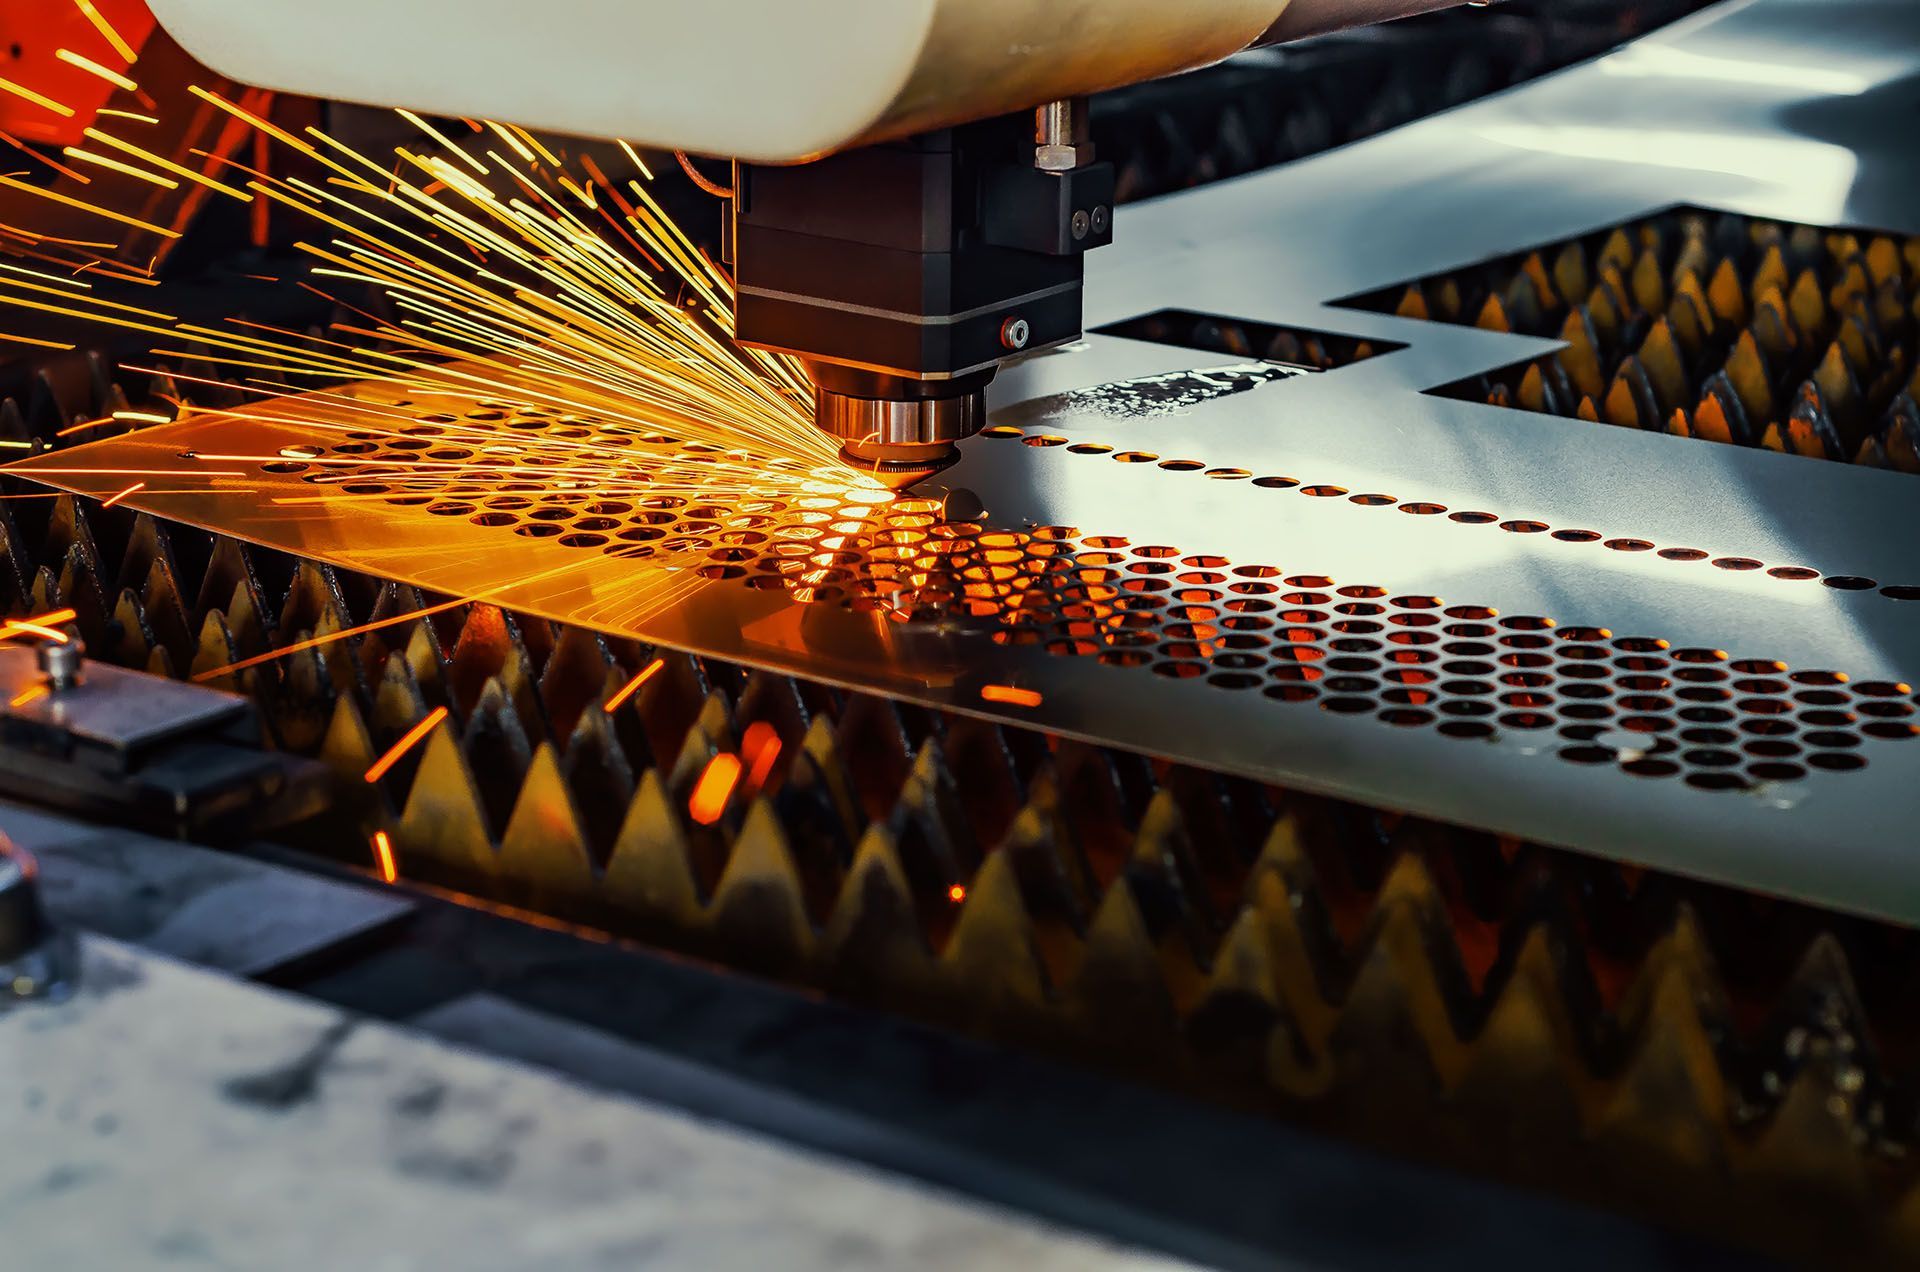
{"x":1637,"y":645}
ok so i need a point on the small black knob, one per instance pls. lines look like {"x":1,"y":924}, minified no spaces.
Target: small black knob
{"x":23,"y":924}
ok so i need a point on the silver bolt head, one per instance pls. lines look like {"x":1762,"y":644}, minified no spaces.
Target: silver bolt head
{"x":1100,"y":218}
{"x":60,"y":662}
{"x":1081,"y":224}
{"x":1014,"y":333}
{"x":1056,"y":158}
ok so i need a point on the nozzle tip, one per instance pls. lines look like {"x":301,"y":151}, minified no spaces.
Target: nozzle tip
{"x":900,"y":467}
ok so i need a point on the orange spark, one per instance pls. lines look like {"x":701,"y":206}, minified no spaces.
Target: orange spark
{"x":383,"y":857}
{"x":406,"y":743}
{"x":39,"y":625}
{"x":1010,"y":695}
{"x":761,"y":742}
{"x":114,"y":499}
{"x":31,"y":693}
{"x":632,"y":687}
{"x":714,"y":789}
{"x":301,"y":646}
{"x":957,"y":893}
{"x":105,"y":28}
{"x":83,"y":426}
{"x":92,"y":67}
{"x":45,"y":103}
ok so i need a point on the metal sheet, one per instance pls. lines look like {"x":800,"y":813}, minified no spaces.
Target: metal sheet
{"x":121,"y":710}
{"x":1189,"y":564}
{"x":167,"y":1116}
{"x":214,"y":909}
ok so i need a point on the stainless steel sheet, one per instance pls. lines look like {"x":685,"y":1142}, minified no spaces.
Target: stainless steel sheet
{"x":1122,"y":601}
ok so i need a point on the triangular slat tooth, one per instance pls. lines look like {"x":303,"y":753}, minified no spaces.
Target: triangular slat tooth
{"x":1170,"y":890}
{"x":398,"y":704}
{"x":229,"y":578}
{"x":758,"y":909}
{"x":1581,"y":358}
{"x":301,"y":700}
{"x":992,"y":954}
{"x":1397,"y":1029}
{"x":1746,"y":370}
{"x":574,"y":676}
{"x":1039,"y":850}
{"x":1808,"y":306}
{"x":543,"y":854}
{"x":929,"y":800}
{"x":819,"y":769}
{"x":79,"y":587}
{"x":710,"y":734}
{"x":872,"y":943}
{"x":478,"y":656}
{"x":650,"y":872}
{"x":216,"y":648}
{"x":1119,"y":990}
{"x":423,"y":660}
{"x":977,"y":755}
{"x":498,"y":751}
{"x":601,"y":779}
{"x":313,"y":601}
{"x":442,"y":833}
{"x":1241,"y":1027}
{"x":670,"y":703}
{"x":1670,"y":1103}
{"x":1773,"y":327}
{"x":820,"y":839}
{"x":166,"y":616}
{"x":136,"y":641}
{"x":1525,"y":1077}
{"x":879,"y":755}
{"x":14,"y":567}
{"x":519,"y":677}
{"x":347,"y":747}
{"x":774,"y":699}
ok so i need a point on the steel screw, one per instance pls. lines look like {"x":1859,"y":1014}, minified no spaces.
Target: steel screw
{"x":1081,"y":223}
{"x":1100,"y":219}
{"x":60,"y":663}
{"x":1014,"y":333}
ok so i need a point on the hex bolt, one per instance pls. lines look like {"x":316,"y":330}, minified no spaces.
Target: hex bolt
{"x":1081,"y":224}
{"x":60,"y":663}
{"x":1014,"y":333}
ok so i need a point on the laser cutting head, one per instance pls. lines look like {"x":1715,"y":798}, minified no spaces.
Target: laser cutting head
{"x":927,"y":248}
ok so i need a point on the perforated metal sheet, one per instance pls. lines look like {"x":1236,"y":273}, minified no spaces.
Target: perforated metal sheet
{"x":1636,"y":645}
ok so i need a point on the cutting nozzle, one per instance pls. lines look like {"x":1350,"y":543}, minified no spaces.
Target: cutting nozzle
{"x":899,"y":441}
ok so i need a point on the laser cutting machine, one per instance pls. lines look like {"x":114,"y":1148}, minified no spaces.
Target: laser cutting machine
{"x":1406,"y":752}
{"x":915,"y":182}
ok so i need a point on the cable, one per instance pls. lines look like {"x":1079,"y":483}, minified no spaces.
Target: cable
{"x":694,"y":175}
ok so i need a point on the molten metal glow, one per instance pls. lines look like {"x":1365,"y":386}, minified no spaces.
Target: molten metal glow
{"x":714,"y":789}
{"x":1010,"y":695}
{"x":31,"y":693}
{"x":762,"y":743}
{"x":632,"y":687}
{"x":956,"y":894}
{"x":383,"y":857}
{"x":111,"y":500}
{"x":411,"y":739}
